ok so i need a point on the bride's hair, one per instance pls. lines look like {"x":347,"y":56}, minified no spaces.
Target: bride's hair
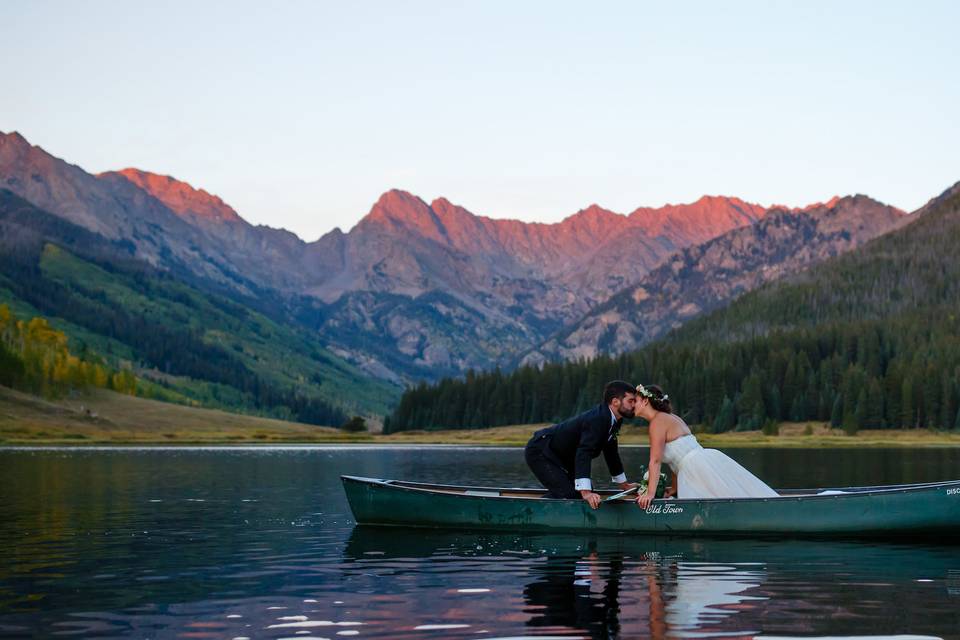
{"x":658,"y":399}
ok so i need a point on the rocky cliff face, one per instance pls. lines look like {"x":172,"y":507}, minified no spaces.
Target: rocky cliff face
{"x":505,"y":284}
{"x":270,"y":257}
{"x":706,"y":276}
{"x":181,"y":198}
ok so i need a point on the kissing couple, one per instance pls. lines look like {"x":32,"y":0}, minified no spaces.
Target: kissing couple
{"x":561,"y":456}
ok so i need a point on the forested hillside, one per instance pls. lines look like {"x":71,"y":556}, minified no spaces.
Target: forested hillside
{"x":34,"y":357}
{"x":200,"y":347}
{"x":870,"y":339}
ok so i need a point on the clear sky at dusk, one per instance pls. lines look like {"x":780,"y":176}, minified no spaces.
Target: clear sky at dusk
{"x":301,"y":114}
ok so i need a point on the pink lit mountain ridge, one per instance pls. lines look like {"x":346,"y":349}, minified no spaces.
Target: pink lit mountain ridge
{"x":420,"y":290}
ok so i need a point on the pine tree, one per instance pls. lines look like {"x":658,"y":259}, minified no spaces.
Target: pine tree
{"x":726,"y":419}
{"x":931,"y":396}
{"x":853,"y":423}
{"x":797,"y":410}
{"x":752,"y":397}
{"x":907,"y":416}
{"x":873,"y":412}
{"x":948,"y":404}
{"x":836,"y":415}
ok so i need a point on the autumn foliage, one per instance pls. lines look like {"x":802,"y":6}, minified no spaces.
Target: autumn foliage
{"x":35,"y":357}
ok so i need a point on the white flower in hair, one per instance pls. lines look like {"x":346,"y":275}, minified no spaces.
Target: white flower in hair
{"x":643,"y":391}
{"x":646,"y":393}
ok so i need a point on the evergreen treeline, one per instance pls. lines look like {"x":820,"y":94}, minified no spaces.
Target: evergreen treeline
{"x":34,"y":357}
{"x":867,"y":375}
{"x":867,"y":340}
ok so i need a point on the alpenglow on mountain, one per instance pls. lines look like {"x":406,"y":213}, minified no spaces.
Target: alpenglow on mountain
{"x":421,"y":290}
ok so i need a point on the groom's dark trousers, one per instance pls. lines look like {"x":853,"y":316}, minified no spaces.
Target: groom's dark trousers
{"x":560,"y":454}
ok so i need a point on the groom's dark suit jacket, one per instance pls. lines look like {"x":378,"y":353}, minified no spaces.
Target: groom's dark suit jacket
{"x":574,"y":443}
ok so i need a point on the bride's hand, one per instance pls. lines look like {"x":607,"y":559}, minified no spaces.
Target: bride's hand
{"x":644,"y":501}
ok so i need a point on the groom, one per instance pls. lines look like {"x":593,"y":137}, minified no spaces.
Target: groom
{"x":560,"y":456}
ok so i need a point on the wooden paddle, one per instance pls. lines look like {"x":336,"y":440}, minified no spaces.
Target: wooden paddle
{"x":622,"y":494}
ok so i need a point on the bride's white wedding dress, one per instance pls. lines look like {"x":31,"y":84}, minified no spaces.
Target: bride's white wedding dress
{"x":708,"y":473}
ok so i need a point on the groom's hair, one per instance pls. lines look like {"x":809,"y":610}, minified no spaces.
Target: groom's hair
{"x":617,"y":389}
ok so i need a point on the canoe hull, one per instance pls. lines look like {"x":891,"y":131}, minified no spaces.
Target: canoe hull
{"x":904,"y":511}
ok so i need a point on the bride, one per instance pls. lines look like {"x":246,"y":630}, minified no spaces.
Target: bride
{"x":697,"y":472}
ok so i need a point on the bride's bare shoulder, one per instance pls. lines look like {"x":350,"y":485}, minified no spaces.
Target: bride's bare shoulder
{"x":675,"y":426}
{"x":668,"y":418}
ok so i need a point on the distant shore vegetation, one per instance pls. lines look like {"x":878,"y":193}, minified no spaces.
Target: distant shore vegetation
{"x":870,"y":375}
{"x":35,"y":357}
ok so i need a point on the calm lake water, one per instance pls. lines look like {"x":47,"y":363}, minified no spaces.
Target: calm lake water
{"x":260,"y":543}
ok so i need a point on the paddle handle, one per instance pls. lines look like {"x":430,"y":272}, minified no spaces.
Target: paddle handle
{"x":622,"y":494}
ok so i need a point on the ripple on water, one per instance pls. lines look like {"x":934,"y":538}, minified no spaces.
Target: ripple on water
{"x":264,"y":545}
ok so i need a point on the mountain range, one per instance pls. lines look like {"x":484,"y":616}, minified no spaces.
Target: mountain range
{"x":703,"y":277}
{"x":421,"y":290}
{"x":865,"y":339}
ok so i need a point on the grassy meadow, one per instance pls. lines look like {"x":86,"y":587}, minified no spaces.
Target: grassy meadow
{"x":106,"y":417}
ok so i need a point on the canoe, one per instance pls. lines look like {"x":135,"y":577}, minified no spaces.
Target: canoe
{"x":912,"y":510}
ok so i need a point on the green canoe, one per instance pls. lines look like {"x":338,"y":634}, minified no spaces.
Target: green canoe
{"x":886,"y":511}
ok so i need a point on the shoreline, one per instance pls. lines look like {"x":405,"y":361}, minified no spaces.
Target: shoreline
{"x":107,"y":419}
{"x":496,"y":437}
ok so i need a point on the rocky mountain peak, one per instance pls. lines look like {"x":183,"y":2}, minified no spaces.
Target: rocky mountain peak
{"x":950,"y":193}
{"x":179,"y":196}
{"x":401,"y":211}
{"x":592,"y":224}
{"x":16,"y":153}
{"x":596,"y":211}
{"x":13,"y":139}
{"x":452,"y":214}
{"x":859,"y":215}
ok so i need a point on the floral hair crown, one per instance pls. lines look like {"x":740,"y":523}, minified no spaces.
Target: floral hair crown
{"x":646,"y":393}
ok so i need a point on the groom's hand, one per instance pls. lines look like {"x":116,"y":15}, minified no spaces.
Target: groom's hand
{"x":593,"y":499}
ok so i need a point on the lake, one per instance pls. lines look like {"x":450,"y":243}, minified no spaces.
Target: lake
{"x":258,"y":542}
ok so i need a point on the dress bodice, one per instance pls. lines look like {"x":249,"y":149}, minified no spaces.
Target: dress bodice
{"x":676,"y":450}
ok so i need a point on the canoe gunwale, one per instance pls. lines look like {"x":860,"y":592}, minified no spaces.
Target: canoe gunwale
{"x":483,"y":492}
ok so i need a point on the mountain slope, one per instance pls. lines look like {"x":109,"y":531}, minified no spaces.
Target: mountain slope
{"x":904,"y":272}
{"x":704,"y":277}
{"x":867,"y":339}
{"x":202,"y":346}
{"x":226,"y":251}
{"x":467,"y":291}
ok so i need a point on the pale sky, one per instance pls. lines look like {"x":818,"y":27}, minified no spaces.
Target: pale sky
{"x":300,"y":114}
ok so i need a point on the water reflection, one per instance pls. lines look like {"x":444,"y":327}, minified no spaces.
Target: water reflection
{"x":569,"y":593}
{"x":259,"y":543}
{"x":609,"y":587}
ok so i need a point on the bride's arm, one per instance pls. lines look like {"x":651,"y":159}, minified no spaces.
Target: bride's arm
{"x":658,"y":437}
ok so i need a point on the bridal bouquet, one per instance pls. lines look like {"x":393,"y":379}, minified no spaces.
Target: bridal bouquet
{"x":661,"y":485}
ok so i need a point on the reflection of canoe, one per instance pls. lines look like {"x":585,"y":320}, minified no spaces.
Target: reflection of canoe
{"x":897,"y":510}
{"x":875,"y":560}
